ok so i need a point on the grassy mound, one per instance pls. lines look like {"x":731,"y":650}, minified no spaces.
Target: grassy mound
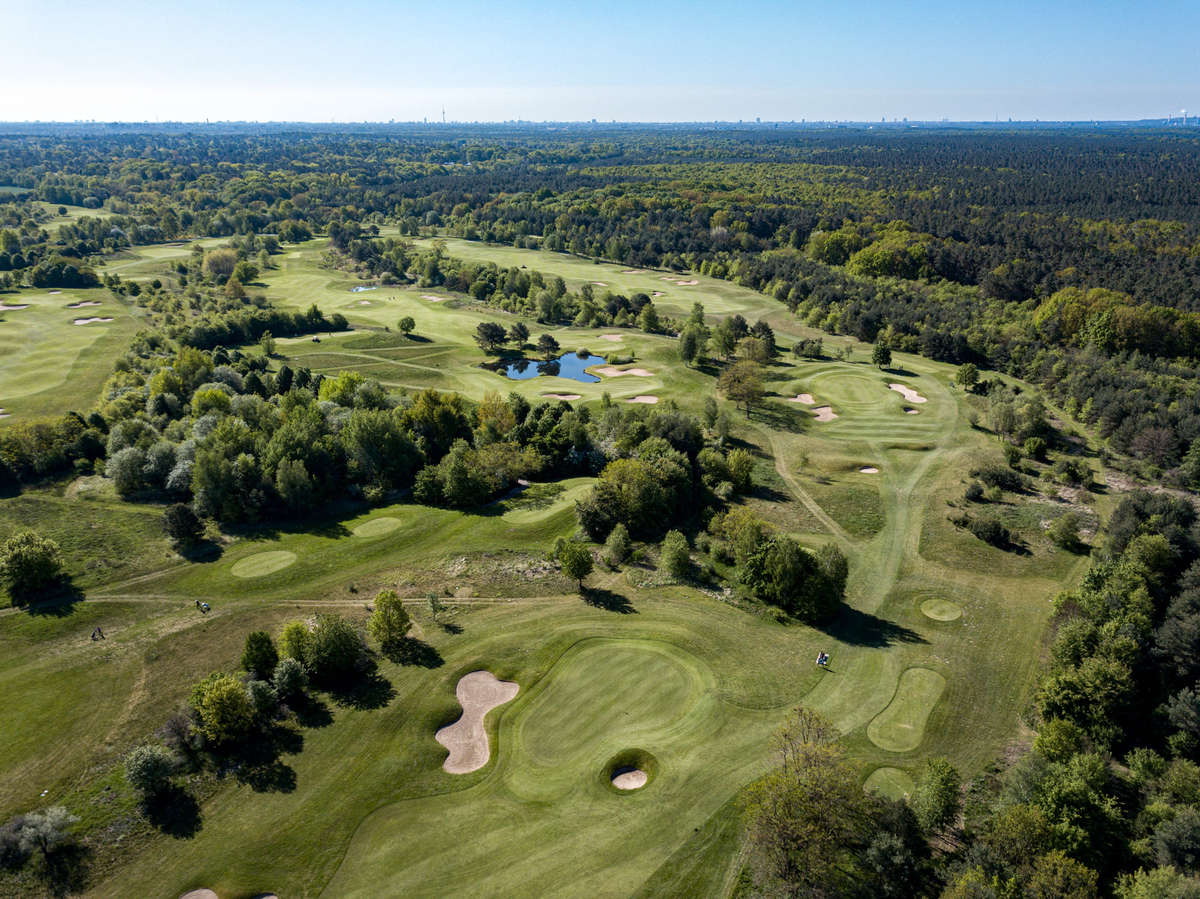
{"x":941,"y":610}
{"x":377,"y":527}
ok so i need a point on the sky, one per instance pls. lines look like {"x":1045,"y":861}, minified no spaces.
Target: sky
{"x":375,"y":60}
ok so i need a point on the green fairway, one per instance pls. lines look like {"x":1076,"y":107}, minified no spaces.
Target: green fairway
{"x":49,"y":364}
{"x":688,"y":680}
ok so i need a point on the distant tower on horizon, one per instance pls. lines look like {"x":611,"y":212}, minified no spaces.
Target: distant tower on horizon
{"x":443,"y":115}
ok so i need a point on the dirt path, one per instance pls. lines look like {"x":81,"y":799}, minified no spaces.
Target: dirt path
{"x":801,"y":494}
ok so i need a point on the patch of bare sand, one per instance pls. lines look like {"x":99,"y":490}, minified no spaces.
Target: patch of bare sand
{"x":869,"y":469}
{"x":908,"y":393}
{"x":632,"y":779}
{"x":611,"y":371}
{"x":600,"y":284}
{"x":4,"y":414}
{"x":824,"y":413}
{"x":364,"y":302}
{"x":806,"y":398}
{"x":687,"y":283}
{"x":432,"y":298}
{"x":643,"y":398}
{"x":659,"y":293}
{"x":82,"y":304}
{"x":612,"y":337}
{"x":562,"y":396}
{"x":55,"y":291}
{"x":4,"y":307}
{"x":634,"y":271}
{"x":478,"y":693}
{"x":200,"y":894}
{"x":88,"y":321}
{"x":912,"y":411}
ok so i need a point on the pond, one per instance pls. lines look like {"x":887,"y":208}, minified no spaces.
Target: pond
{"x":361,"y":289}
{"x":568,"y":365}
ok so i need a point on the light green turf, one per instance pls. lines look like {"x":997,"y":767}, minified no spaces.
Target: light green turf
{"x":890,"y":782}
{"x":901,"y":726}
{"x":261,"y":564}
{"x":377,"y":527}
{"x":941,"y":609}
{"x":49,"y":365}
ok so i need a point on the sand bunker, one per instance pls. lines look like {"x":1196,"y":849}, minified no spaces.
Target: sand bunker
{"x":869,"y":469}
{"x":659,"y":293}
{"x":82,"y":304}
{"x":562,"y":396}
{"x":634,"y":271}
{"x":55,"y":291}
{"x":377,"y":527}
{"x":88,"y":321}
{"x":687,"y":283}
{"x":941,"y":610}
{"x":4,"y":307}
{"x":913,"y":411}
{"x":200,"y":894}
{"x":908,"y":393}
{"x":611,"y":371}
{"x":824,"y":413}
{"x":4,"y":414}
{"x":600,"y":284}
{"x":630,"y":779}
{"x":612,"y":337}
{"x":364,"y":302}
{"x":478,"y":693}
{"x":432,"y":298}
{"x":649,"y":400}
{"x":806,"y":398}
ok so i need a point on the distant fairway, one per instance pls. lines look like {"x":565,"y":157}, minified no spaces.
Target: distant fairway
{"x":49,"y":365}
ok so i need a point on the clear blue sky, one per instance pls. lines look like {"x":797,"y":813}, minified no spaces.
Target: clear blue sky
{"x":631,"y":61}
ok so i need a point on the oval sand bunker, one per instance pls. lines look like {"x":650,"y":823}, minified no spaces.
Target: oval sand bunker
{"x":941,"y":609}
{"x":478,"y":693}
{"x":806,"y":398}
{"x":261,"y":564}
{"x":908,"y":393}
{"x":630,"y":779}
{"x":869,"y":469}
{"x":824,"y":413}
{"x":377,"y":527}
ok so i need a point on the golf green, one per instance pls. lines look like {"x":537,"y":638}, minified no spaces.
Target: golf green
{"x":377,"y":527}
{"x":901,"y":726}
{"x":261,"y":564}
{"x":941,"y":610}
{"x":890,"y":782}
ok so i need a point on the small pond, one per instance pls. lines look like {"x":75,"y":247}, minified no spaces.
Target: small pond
{"x":362,"y":289}
{"x":568,"y":365}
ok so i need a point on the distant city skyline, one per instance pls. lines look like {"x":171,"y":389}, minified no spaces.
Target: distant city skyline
{"x":371,"y":60}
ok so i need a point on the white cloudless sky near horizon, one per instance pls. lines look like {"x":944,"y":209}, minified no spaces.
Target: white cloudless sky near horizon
{"x":373,"y":60}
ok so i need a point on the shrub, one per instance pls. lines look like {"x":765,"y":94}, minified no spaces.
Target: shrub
{"x":295,"y":641}
{"x":990,"y":530}
{"x":263,"y":698}
{"x":1064,"y":531}
{"x":618,"y":545}
{"x":998,"y":476}
{"x":336,"y":649}
{"x":974,"y":492}
{"x":674,"y":557}
{"x":29,"y":564}
{"x":149,"y":768}
{"x":181,"y":524}
{"x":223,"y":708}
{"x":289,"y":680}
{"x":126,"y":468}
{"x":390,"y":621}
{"x":576,"y":560}
{"x":259,"y":656}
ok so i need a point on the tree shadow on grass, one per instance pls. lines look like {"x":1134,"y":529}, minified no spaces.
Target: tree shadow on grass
{"x":858,"y":628}
{"x":58,"y":602}
{"x":201,"y":551}
{"x":271,"y":777}
{"x":413,"y":651}
{"x":311,"y":712}
{"x":599,"y":598}
{"x":369,"y":691}
{"x":65,"y":870}
{"x":175,"y":812}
